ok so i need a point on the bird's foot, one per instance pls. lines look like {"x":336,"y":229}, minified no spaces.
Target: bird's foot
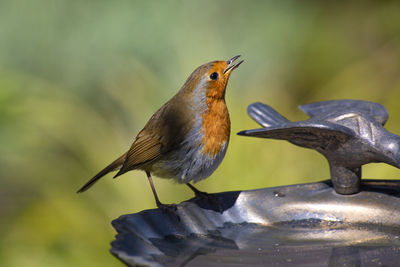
{"x":211,"y":199}
{"x":208,"y":201}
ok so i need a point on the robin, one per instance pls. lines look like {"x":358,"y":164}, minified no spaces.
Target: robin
{"x":186,"y":139}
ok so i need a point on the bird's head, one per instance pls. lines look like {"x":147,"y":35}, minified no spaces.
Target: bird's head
{"x":211,"y":78}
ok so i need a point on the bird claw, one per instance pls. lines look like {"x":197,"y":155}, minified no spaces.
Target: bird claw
{"x":168,"y":207}
{"x":212,"y":200}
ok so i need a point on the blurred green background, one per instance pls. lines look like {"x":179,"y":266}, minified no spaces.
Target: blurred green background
{"x":78,"y":80}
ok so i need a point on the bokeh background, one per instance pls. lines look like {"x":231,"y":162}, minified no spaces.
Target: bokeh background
{"x":78,"y":80}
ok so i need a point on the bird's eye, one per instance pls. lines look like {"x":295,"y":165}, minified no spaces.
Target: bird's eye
{"x":214,"y":76}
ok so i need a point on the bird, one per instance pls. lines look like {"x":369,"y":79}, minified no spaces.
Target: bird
{"x":187,"y":138}
{"x":349,"y":133}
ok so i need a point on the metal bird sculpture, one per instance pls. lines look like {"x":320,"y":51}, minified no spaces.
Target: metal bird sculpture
{"x":349,"y":133}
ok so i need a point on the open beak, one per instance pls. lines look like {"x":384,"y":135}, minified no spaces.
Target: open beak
{"x":232,"y":66}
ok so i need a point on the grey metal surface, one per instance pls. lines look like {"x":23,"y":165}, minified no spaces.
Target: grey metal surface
{"x":349,"y":133}
{"x":307,"y":224}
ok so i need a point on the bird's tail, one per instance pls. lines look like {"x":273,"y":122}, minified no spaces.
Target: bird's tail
{"x":265,"y":115}
{"x":115,"y":165}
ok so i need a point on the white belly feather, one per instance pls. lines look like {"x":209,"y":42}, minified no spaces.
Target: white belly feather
{"x":189,"y":163}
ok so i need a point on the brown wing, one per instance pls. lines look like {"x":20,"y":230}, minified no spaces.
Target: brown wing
{"x":147,"y":147}
{"x":162,"y":133}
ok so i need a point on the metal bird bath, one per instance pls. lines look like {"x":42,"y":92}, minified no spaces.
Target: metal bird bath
{"x":294,"y":225}
{"x":308,"y":224}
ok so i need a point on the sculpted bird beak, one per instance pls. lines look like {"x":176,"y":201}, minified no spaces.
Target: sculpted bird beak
{"x":232,"y":66}
{"x":391,"y":150}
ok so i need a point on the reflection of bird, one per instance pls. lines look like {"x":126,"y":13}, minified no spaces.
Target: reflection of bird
{"x":186,"y":139}
{"x":349,"y":133}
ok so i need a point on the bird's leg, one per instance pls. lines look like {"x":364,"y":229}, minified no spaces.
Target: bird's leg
{"x":208,"y":197}
{"x":163,"y":207}
{"x":196,"y":191}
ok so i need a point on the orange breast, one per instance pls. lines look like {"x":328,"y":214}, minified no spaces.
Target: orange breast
{"x":216,"y":126}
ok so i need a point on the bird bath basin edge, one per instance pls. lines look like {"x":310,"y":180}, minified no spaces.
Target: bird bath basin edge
{"x":280,"y":226}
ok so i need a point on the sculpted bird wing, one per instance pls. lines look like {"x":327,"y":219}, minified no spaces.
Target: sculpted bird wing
{"x":265,"y":115}
{"x":336,"y":108}
{"x":311,"y":135}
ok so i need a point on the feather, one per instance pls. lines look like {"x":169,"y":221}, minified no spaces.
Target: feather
{"x":145,"y":149}
{"x":116,"y":164}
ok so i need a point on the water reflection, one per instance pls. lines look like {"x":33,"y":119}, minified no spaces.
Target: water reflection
{"x":290,"y":243}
